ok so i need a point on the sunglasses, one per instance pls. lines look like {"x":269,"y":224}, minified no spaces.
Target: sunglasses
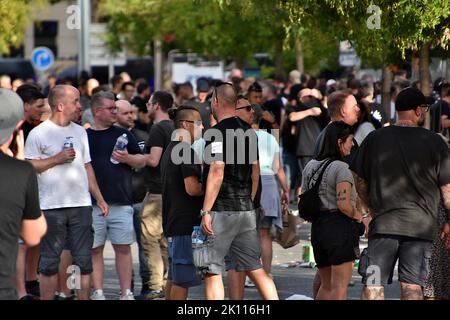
{"x":248,"y":108}
{"x":426,"y":107}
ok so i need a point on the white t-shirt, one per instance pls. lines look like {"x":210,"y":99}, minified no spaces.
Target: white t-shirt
{"x":268,"y":148}
{"x":65,"y":185}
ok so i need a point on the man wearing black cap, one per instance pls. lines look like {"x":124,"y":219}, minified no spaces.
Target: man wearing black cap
{"x":401,"y":174}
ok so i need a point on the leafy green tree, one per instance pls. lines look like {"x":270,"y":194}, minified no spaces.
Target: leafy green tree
{"x":16,"y":15}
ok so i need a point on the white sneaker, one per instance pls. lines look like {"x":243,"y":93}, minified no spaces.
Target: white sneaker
{"x":98,"y":295}
{"x":127,"y":296}
{"x":248,"y":282}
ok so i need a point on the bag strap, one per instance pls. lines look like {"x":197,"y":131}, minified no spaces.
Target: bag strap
{"x":319,"y":179}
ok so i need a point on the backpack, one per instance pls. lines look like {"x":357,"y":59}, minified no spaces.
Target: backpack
{"x":309,"y":204}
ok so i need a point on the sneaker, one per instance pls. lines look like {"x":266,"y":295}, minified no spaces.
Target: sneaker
{"x":29,"y":297}
{"x":145,"y":289}
{"x":98,"y":295}
{"x":127,"y":296}
{"x":153,"y":294}
{"x":61,"y":296}
{"x":249,"y":283}
{"x":32,"y":288}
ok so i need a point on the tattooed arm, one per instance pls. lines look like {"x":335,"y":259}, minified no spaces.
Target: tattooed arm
{"x":344,"y":203}
{"x":445,"y":194}
{"x":363,"y":192}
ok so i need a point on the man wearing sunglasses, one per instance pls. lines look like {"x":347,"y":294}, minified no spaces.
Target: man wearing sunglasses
{"x":228,"y":214}
{"x":402,"y":172}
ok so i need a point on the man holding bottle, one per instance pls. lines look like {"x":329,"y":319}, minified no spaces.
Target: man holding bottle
{"x":114,"y":151}
{"x":65,"y":178}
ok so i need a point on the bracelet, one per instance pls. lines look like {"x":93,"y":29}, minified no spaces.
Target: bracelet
{"x":366,"y":215}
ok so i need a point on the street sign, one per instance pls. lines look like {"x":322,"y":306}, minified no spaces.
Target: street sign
{"x":42,"y":58}
{"x":99,"y":53}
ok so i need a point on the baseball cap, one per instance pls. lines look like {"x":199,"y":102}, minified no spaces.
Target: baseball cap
{"x":11,"y":112}
{"x":409,"y":99}
{"x":202,"y":86}
{"x":330,"y":82}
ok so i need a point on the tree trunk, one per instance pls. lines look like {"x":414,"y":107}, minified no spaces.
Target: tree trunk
{"x":240,"y":63}
{"x":299,"y":56}
{"x":425,"y":77}
{"x":424,"y":69}
{"x":158,"y":64}
{"x":415,"y":66}
{"x":386,"y":93}
{"x":279,"y":69}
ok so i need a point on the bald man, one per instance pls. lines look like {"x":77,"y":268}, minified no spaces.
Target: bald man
{"x":125,"y":120}
{"x":228,"y":213}
{"x":65,"y":190}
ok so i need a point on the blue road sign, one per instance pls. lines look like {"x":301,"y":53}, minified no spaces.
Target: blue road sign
{"x":42,"y":58}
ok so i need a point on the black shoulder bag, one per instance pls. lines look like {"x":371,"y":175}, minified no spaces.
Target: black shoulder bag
{"x":309,"y":204}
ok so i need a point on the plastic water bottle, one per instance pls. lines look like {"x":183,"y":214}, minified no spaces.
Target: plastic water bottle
{"x":68,"y":143}
{"x":121,"y":144}
{"x":197,"y":238}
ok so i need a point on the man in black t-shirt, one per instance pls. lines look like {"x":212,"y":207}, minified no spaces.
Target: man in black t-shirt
{"x":182,"y":200}
{"x":21,"y":214}
{"x":125,"y":120}
{"x":153,"y":241}
{"x":114,"y":180}
{"x":34,"y":107}
{"x":231,"y":175}
{"x":140,"y":102}
{"x":400,"y":172}
{"x":440,"y":112}
{"x":308,"y":119}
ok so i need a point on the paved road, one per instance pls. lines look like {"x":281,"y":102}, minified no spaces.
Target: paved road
{"x":289,"y":280}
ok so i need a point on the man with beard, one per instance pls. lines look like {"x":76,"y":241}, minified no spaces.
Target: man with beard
{"x":154,"y":243}
{"x":401,"y":173}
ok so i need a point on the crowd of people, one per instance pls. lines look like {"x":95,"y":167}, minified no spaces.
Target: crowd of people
{"x":83,"y":162}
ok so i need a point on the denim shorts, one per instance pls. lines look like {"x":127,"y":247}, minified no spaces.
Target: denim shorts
{"x":182,"y":271}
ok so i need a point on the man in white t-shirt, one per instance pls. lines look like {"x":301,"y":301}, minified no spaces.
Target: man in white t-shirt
{"x":59,"y":151}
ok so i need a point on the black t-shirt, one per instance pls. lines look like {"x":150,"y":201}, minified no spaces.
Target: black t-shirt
{"x":439,"y":109}
{"x":319,"y":142}
{"x":235,"y":191}
{"x":181,"y":212}
{"x":403,"y":168}
{"x":160,"y":135}
{"x":307,"y":131}
{"x":287,"y":138}
{"x":19,"y":200}
{"x":274,"y":106}
{"x":27,"y":127}
{"x":138,"y":174}
{"x":114,"y":180}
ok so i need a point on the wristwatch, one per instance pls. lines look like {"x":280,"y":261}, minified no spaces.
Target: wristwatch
{"x":204,"y":212}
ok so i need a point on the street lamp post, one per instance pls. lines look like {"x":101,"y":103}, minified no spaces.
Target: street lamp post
{"x":83,"y":36}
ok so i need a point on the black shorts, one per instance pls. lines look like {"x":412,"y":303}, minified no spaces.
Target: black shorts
{"x":378,"y":262}
{"x":335,"y":239}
